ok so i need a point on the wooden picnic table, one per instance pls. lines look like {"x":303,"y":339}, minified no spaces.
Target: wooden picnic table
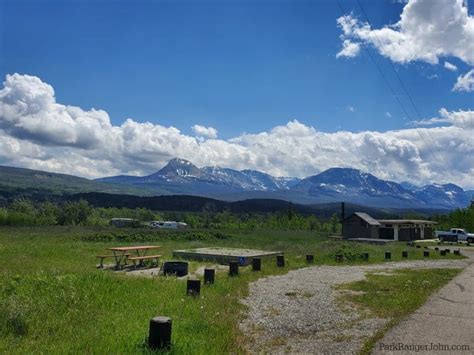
{"x":121,"y":253}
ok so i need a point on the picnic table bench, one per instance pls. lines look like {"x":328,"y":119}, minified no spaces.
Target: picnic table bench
{"x":102,"y":257}
{"x":140,"y":259}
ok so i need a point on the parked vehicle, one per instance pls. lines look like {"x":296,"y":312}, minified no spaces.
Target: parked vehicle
{"x":168,"y":224}
{"x":124,"y":222}
{"x":455,"y":235}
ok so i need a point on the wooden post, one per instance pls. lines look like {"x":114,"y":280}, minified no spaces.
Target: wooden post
{"x":457,"y":252}
{"x":159,"y":335}
{"x":365,"y":256}
{"x":310,"y":259}
{"x":280,"y":261}
{"x":404,"y":254}
{"x":388,"y":255}
{"x":209,"y":275}
{"x":193,"y":287}
{"x":233,"y":268}
{"x":426,"y":254}
{"x":256,"y":264}
{"x":437,"y":249}
{"x":447,"y":251}
{"x":418,"y":246}
{"x":443,"y":252}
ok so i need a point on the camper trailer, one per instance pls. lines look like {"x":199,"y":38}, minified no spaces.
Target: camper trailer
{"x":167,"y":224}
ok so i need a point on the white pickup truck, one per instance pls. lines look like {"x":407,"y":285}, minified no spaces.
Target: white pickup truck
{"x":455,"y":235}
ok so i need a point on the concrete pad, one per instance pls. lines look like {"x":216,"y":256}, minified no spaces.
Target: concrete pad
{"x":224,"y":255}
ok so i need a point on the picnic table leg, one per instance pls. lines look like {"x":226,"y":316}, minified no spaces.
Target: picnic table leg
{"x":117,"y":260}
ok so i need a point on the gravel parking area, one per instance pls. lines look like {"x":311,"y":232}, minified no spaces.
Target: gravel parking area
{"x":299,"y":313}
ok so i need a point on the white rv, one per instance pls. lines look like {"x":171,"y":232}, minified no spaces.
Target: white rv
{"x":168,"y":224}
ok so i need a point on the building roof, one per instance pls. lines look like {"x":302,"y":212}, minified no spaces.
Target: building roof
{"x":405,"y":221}
{"x":367,"y":218}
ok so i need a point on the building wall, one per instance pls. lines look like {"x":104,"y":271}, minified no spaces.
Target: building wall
{"x":355,"y":227}
{"x":428,"y":233}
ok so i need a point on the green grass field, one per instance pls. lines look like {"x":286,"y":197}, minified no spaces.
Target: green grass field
{"x":53,"y":299}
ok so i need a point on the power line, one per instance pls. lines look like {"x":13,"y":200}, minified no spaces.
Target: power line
{"x":401,"y":84}
{"x":379,"y":69}
{"x":393,"y":67}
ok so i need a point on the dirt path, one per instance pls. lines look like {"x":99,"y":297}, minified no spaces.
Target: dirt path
{"x":443,"y":325}
{"x":298,"y":312}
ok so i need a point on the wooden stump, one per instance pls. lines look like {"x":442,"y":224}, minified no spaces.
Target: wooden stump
{"x":233,"y":268}
{"x":310,"y":259}
{"x":209,"y":275}
{"x":193,"y":287}
{"x":159,"y":335}
{"x":280,"y":261}
{"x":256,"y":264}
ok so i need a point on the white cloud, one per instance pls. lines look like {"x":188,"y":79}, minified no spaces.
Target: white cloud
{"x":449,"y":66}
{"x":205,"y":132}
{"x":37,"y":132}
{"x":460,"y":119}
{"x":465,"y":82}
{"x":349,"y":49}
{"x":426,"y":31}
{"x":350,"y":108}
{"x":388,"y":114}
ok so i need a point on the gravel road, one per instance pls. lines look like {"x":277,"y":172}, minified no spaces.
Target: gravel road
{"x":299,"y":313}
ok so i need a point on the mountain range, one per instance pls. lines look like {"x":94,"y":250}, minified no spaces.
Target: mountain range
{"x":180,"y":177}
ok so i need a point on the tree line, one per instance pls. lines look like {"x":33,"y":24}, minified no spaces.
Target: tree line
{"x":24,"y":212}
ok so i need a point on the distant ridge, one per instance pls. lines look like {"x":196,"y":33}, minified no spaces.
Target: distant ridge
{"x":180,"y":176}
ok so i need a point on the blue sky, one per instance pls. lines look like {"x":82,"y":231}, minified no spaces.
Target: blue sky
{"x":238,"y":66}
{"x":285,"y":87}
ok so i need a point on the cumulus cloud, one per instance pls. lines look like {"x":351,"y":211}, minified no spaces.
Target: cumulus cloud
{"x":465,"y":82}
{"x":426,"y":31}
{"x":37,"y":132}
{"x":205,"y":132}
{"x":349,"y":49}
{"x":450,"y":66}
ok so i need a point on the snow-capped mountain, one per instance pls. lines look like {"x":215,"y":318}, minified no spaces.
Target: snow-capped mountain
{"x":180,"y":176}
{"x":446,"y":195}
{"x":183,"y":172}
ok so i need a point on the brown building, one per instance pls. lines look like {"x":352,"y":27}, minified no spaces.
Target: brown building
{"x":361,"y":225}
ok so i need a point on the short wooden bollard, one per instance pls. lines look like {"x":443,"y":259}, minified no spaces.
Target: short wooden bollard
{"x":437,"y":249}
{"x":193,"y":287}
{"x":310,"y":259}
{"x":365,"y":256}
{"x":280,"y":261}
{"x":426,"y":254}
{"x":209,"y":275}
{"x":447,"y":251}
{"x":443,"y":252}
{"x":388,"y":255}
{"x":339,"y":257}
{"x":159,"y":335}
{"x":256,"y":264}
{"x":404,"y":254}
{"x":233,"y":268}
{"x":457,"y":252}
{"x":418,"y":246}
